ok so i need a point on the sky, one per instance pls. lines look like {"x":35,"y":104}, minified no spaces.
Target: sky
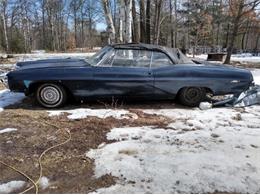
{"x":101,"y":26}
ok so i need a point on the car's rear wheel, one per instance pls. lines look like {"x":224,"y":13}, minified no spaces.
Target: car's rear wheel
{"x":51,"y":95}
{"x":192,"y":96}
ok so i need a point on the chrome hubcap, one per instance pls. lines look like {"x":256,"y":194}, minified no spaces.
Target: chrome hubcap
{"x":50,"y":95}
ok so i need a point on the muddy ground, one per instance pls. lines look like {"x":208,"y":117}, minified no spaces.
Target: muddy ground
{"x":67,"y":167}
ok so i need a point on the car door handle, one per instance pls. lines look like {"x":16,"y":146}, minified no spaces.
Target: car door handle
{"x":149,"y":73}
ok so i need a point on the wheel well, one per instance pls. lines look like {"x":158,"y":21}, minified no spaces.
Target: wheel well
{"x":34,"y":86}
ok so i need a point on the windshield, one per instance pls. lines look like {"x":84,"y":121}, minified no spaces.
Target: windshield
{"x":99,"y":56}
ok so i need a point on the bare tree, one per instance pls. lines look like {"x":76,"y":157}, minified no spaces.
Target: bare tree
{"x":148,"y":21}
{"x":109,"y":20}
{"x":158,"y":8}
{"x":121,"y":20}
{"x":3,"y":15}
{"x":238,"y":9}
{"x":135,"y":23}
{"x":128,"y":27}
{"x":142,"y":21}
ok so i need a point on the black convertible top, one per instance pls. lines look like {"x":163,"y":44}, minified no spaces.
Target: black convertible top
{"x":138,"y":46}
{"x":174,"y":53}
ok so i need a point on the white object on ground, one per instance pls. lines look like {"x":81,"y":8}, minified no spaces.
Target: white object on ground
{"x":44,"y":182}
{"x":215,"y":150}
{"x":100,"y":113}
{"x":7,"y":130}
{"x":8,"y":98}
{"x":11,"y":186}
{"x":205,"y":105}
{"x":256,"y":75}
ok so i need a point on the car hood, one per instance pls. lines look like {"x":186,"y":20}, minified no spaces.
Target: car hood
{"x":51,"y":63}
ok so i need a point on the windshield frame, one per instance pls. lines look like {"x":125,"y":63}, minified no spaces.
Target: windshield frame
{"x":98,"y":57}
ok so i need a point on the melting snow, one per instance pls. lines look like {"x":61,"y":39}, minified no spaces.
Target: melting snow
{"x":100,"y":113}
{"x":256,"y":75}
{"x":205,"y":105}
{"x":44,"y":183}
{"x":246,"y":57}
{"x":243,"y":58}
{"x":209,"y":151}
{"x":7,"y":130}
{"x":8,"y":98}
{"x":11,"y":186}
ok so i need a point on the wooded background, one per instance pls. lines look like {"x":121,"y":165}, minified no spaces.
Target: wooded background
{"x":192,"y":25}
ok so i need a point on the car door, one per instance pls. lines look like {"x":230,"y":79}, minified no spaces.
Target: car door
{"x":166,"y":81}
{"x":126,"y":73}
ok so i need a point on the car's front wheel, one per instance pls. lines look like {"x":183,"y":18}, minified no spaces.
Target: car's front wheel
{"x":192,"y":96}
{"x":51,"y":95}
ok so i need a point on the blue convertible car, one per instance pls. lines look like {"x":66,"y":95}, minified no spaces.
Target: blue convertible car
{"x":127,"y":71}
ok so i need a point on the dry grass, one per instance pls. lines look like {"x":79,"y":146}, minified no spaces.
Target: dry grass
{"x":67,"y":167}
{"x":2,"y":86}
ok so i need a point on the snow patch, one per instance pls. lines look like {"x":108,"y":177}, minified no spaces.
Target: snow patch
{"x":243,"y":58}
{"x":44,"y":182}
{"x":11,"y":186}
{"x":7,"y":130}
{"x":256,"y":75}
{"x":209,"y":151}
{"x":205,"y":105}
{"x":8,"y":98}
{"x":100,"y":113}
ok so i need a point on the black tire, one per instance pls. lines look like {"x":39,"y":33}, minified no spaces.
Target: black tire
{"x":51,"y":95}
{"x":192,"y":96}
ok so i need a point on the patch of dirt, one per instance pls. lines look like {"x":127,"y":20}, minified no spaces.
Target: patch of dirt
{"x":67,"y":167}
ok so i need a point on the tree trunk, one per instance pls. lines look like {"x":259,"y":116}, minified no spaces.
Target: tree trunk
{"x":5,"y":27}
{"x":227,"y":36}
{"x":135,"y":24}
{"x":234,"y":34}
{"x":43,"y":26}
{"x":171,"y":23}
{"x":148,"y":22}
{"x":175,"y":24}
{"x":232,"y":41}
{"x":121,"y":20}
{"x":158,"y":21}
{"x":128,"y":21}
{"x":243,"y":44}
{"x":247,"y":36}
{"x":75,"y":27}
{"x":218,"y":30}
{"x":109,"y":21}
{"x":257,"y":42}
{"x":142,"y":21}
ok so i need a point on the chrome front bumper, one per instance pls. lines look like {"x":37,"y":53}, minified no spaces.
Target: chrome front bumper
{"x":4,"y":80}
